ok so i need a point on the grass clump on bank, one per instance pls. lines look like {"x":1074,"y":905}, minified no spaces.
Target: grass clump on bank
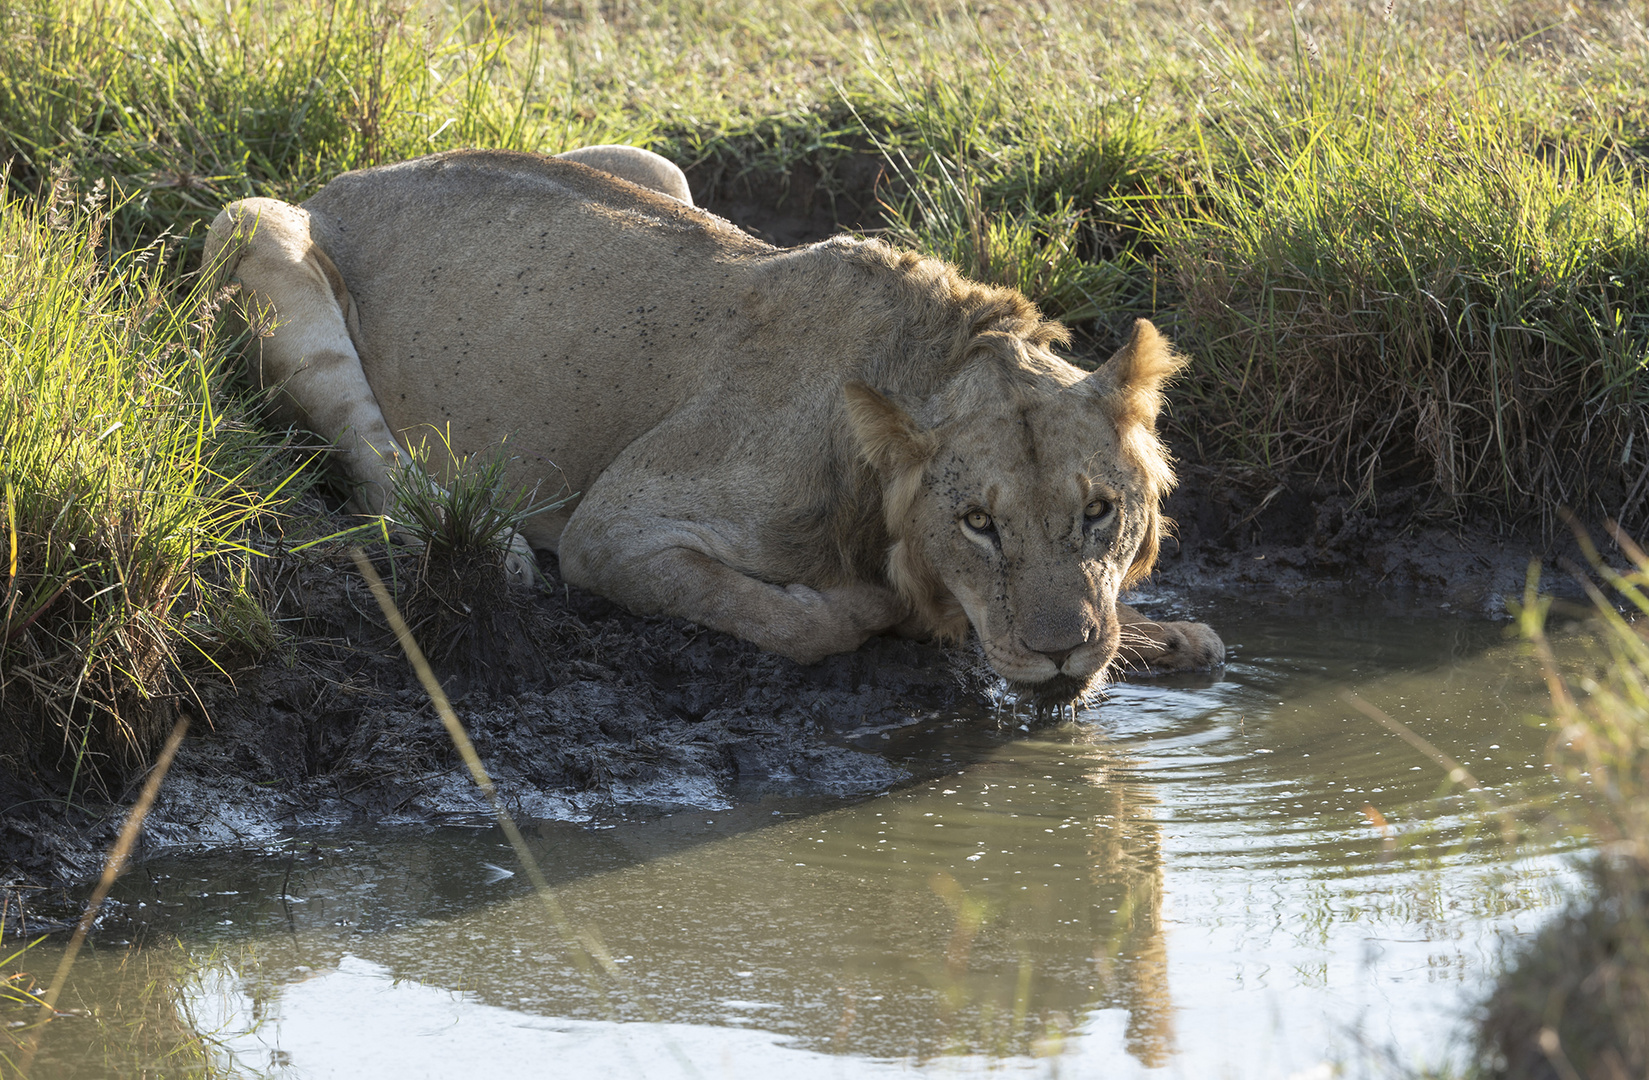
{"x":124,"y":472}
{"x":466,"y":604}
{"x":1403,"y":281}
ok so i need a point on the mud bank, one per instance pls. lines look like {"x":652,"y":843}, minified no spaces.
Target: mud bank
{"x":1293,"y":536}
{"x":596,"y":710}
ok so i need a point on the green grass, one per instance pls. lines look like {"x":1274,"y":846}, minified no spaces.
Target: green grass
{"x":123,"y":474}
{"x":473,"y":512}
{"x":185,"y":106}
{"x":1411,"y":282}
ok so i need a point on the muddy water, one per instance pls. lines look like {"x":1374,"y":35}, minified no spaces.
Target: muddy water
{"x":1241,"y":877}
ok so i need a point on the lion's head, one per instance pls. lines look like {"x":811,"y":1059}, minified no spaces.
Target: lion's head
{"x":1022,"y":497}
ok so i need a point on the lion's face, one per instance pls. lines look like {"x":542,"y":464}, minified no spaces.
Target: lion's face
{"x":1030,"y":519}
{"x":1027,"y":511}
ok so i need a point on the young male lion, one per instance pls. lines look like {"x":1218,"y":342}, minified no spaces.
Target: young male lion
{"x":802,"y":447}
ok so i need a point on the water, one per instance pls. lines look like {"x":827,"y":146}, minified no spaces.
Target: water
{"x":1242,"y":877}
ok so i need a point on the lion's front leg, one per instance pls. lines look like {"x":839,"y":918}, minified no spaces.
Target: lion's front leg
{"x":802,"y":623}
{"x":1166,"y":646}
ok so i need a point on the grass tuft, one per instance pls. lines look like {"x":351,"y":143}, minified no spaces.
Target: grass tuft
{"x":124,"y":472}
{"x":462,"y":600}
{"x":473,"y":512}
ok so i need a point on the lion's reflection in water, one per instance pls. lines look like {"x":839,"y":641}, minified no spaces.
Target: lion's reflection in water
{"x":1186,"y":879}
{"x":988,"y":912}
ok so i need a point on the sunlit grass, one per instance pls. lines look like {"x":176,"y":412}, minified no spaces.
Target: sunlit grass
{"x":185,"y":106}
{"x":125,"y":473}
{"x":1402,"y":280}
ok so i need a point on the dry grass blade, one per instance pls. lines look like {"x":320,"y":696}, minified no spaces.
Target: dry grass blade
{"x":1456,"y":772}
{"x":1575,"y":998}
{"x":584,"y":946}
{"x":112,"y":866}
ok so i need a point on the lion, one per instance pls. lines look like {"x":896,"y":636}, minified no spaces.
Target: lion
{"x":802,"y":447}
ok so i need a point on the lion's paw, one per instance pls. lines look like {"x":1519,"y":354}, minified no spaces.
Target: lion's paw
{"x":520,"y":565}
{"x":1171,"y":646}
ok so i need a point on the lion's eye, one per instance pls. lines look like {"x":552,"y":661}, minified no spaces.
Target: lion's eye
{"x":1096,"y":509}
{"x":977,"y":520}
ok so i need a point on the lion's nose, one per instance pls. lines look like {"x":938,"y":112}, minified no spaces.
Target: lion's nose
{"x":1059,"y":650}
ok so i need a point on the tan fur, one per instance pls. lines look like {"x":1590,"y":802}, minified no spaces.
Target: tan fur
{"x":781,"y":444}
{"x":1139,"y":371}
{"x":640,"y":167}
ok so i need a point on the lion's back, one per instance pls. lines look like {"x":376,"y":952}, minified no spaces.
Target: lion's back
{"x":507,"y":295}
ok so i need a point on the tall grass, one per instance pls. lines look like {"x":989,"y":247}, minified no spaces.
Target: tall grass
{"x":1026,"y":185}
{"x":124,"y":472}
{"x":184,"y":106}
{"x":1403,"y":281}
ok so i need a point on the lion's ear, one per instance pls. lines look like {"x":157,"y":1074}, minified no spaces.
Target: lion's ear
{"x":1133,"y":379}
{"x":888,"y":439}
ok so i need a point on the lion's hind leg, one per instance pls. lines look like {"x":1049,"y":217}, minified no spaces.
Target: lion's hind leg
{"x":640,"y":167}
{"x":304,"y":349}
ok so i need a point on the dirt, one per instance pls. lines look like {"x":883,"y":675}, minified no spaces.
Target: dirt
{"x":1298,"y":535}
{"x":803,"y":204}
{"x":611,"y":710}
{"x":594,"y":710}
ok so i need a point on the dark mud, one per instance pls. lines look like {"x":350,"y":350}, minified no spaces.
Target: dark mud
{"x":1291,"y":536}
{"x":333,"y":728}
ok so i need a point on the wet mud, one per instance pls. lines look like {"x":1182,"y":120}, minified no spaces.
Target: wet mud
{"x":1291,"y":536}
{"x":602,"y":709}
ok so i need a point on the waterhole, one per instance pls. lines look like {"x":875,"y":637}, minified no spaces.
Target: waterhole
{"x":1239,"y":876}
